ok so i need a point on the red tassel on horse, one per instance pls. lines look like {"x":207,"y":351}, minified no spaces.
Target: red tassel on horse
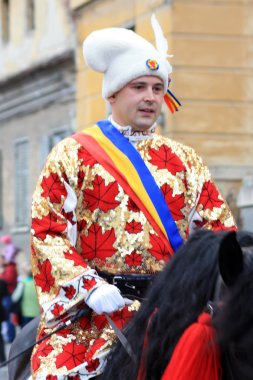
{"x":196,"y":356}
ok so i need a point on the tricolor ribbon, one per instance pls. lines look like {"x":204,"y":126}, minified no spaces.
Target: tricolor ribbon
{"x":172,"y":102}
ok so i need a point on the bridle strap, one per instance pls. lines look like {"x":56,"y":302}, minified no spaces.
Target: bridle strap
{"x":122,"y":339}
{"x":217,"y":289}
{"x":81,"y":313}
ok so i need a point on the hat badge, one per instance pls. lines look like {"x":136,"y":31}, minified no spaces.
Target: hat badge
{"x":152,"y":64}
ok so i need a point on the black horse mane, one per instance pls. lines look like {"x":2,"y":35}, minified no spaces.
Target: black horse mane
{"x":180,"y":292}
{"x":179,"y":295}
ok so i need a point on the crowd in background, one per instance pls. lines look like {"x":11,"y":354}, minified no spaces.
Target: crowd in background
{"x":18,"y":301}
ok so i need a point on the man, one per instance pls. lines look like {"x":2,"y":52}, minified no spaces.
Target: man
{"x":114,"y":199}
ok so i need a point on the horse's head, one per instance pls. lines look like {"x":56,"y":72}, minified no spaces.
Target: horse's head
{"x":234,"y":320}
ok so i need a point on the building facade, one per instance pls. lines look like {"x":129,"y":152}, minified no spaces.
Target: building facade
{"x":37,"y":101}
{"x":47,"y":92}
{"x":212,"y":46}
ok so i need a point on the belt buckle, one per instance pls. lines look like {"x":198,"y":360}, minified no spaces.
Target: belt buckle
{"x":115,"y":278}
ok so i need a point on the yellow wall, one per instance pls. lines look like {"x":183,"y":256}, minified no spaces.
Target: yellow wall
{"x":213,"y":47}
{"x":212,"y":44}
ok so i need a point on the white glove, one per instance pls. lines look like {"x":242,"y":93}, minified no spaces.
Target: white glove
{"x":105,"y":299}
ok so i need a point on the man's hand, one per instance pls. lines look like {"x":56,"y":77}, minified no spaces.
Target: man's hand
{"x":105,"y":299}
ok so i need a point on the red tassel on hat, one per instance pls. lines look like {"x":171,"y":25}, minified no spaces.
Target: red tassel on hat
{"x":196,"y":356}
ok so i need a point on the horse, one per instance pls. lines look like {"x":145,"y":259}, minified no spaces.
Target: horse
{"x":180,"y":293}
{"x":212,"y":272}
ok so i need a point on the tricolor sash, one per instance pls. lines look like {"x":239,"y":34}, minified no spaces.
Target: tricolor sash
{"x":119,"y":157}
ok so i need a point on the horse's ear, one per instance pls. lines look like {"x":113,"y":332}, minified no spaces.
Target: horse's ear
{"x":230,"y":259}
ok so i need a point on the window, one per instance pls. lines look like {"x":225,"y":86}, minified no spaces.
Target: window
{"x":1,"y":190}
{"x":49,"y":141}
{"x":5,"y":20}
{"x":30,"y":15}
{"x":21,"y":183}
{"x":57,"y":137}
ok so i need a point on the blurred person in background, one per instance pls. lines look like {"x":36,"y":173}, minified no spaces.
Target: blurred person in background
{"x":9,"y":274}
{"x":3,"y":294}
{"x":24,"y":296}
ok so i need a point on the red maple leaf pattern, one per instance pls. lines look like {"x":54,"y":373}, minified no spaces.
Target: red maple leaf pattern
{"x":45,"y":350}
{"x":92,"y":365}
{"x":53,"y":188}
{"x":81,"y":225}
{"x":85,"y":323}
{"x":88,"y":283}
{"x":64,"y":332}
{"x":97,"y":244}
{"x":44,"y":279}
{"x":158,"y":249}
{"x":132,"y":206}
{"x":35,"y":361}
{"x":48,"y":225}
{"x":69,"y":291}
{"x":133,"y":227}
{"x":209,"y":197}
{"x":134,"y":259}
{"x":101,"y":196}
{"x":100,"y":321}
{"x":218,"y":226}
{"x":41,"y":334}
{"x":85,"y":157}
{"x":176,"y":203}
{"x":51,"y":377}
{"x":57,"y":310}
{"x":81,"y":176}
{"x":94,"y":348}
{"x":69,"y":216}
{"x":72,"y":355}
{"x":200,"y":223}
{"x":78,"y":259}
{"x":163,"y":158}
{"x":121,"y":317}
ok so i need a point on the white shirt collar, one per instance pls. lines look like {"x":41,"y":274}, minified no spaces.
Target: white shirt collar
{"x":133,"y":136}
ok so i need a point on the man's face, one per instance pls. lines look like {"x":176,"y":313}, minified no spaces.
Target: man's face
{"x":139,"y":103}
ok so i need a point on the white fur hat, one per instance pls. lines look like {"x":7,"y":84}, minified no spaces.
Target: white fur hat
{"x":123,"y":56}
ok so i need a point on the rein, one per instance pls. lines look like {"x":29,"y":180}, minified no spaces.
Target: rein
{"x":80,"y":314}
{"x":123,"y":340}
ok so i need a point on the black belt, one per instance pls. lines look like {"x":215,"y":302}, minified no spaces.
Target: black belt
{"x":132,"y":285}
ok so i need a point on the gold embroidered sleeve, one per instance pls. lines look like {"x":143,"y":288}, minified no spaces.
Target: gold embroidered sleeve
{"x":62,"y":277}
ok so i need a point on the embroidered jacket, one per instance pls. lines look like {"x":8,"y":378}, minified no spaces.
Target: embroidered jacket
{"x":82,"y":219}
